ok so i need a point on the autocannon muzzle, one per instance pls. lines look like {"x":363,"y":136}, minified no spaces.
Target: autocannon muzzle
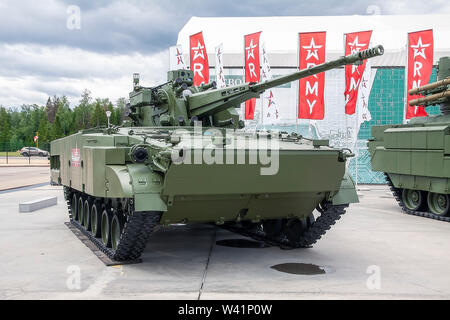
{"x":359,"y":57}
{"x":371,"y":53}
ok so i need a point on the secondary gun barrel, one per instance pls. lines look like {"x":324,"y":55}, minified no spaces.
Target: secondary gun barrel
{"x":431,"y":99}
{"x":434,"y":85}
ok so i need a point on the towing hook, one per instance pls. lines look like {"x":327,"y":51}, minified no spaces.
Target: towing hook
{"x":344,"y":155}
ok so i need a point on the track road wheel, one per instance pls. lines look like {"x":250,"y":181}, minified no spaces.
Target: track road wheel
{"x":273,"y":227}
{"x":74,"y":206}
{"x":438,"y":203}
{"x":96,"y":220}
{"x":87,"y":215}
{"x":413,"y":199}
{"x":81,"y":210}
{"x":106,"y":228}
{"x":295,"y":228}
{"x":116,"y":230}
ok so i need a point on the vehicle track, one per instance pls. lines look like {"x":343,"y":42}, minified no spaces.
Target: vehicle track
{"x":328,"y":217}
{"x":136,"y":231}
{"x":397,"y":195}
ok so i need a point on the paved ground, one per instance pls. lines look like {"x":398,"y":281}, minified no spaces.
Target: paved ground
{"x":14,"y":177}
{"x":41,"y":257}
{"x":24,"y":161}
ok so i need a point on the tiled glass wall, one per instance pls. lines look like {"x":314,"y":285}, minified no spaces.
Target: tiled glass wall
{"x":386,"y":102}
{"x":386,"y":105}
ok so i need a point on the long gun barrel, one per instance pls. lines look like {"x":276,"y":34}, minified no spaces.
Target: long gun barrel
{"x":435,"y":86}
{"x":210,"y":102}
{"x":351,"y":59}
{"x":432,"y":99}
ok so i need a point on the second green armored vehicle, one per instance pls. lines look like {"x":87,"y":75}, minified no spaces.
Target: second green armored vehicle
{"x":416,"y":156}
{"x":184,"y":158}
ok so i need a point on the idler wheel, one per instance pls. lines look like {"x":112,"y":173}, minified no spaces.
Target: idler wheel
{"x":116,"y":230}
{"x":413,"y":199}
{"x":106,"y":227}
{"x":87,"y":215}
{"x":295,"y":228}
{"x":96,"y":220}
{"x":438,"y":203}
{"x":81,"y":210}
{"x":272,"y":227}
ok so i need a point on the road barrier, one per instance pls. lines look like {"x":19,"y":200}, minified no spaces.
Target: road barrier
{"x":10,"y":154}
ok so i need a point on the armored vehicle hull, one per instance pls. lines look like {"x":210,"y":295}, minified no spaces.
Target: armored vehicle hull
{"x":415,"y":156}
{"x":104,"y":187}
{"x":184,"y":158}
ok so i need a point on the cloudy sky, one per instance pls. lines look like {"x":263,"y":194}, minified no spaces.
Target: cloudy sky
{"x":44,"y":51}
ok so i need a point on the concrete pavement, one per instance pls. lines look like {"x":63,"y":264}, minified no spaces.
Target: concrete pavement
{"x":373,"y":244}
{"x":15,"y":177}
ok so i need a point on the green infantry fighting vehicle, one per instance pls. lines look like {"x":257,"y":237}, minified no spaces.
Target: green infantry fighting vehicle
{"x":415,"y":157}
{"x":183,"y":158}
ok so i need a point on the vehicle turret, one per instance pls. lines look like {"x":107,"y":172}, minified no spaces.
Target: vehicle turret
{"x":179,"y":103}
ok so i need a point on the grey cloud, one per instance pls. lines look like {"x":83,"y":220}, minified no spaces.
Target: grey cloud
{"x":52,"y":88}
{"x":150,"y":26}
{"x":39,"y":56}
{"x":64,"y":62}
{"x":114,"y":27}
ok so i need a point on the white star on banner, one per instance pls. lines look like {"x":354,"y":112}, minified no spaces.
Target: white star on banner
{"x":355,"y":46}
{"x":419,"y":48}
{"x":250,"y":49}
{"x":312,"y":47}
{"x":198,"y":51}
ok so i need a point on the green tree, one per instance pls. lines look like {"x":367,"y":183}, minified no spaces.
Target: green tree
{"x":56,"y":119}
{"x":63,"y":124}
{"x":5,"y":129}
{"x":44,"y":131}
{"x":100,"y":108}
{"x":117,"y":114}
{"x":16,"y":143}
{"x":51,"y":108}
{"x":83,"y":111}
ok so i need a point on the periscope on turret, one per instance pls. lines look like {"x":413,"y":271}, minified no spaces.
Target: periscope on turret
{"x":181,"y":157}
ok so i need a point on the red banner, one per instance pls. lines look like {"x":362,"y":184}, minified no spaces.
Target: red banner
{"x":354,"y":42}
{"x":420,"y":65}
{"x":312,"y":52}
{"x":252,"y":68}
{"x":199,"y":59}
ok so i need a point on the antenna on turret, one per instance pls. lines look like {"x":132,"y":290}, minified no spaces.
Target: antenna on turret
{"x":136,"y":80}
